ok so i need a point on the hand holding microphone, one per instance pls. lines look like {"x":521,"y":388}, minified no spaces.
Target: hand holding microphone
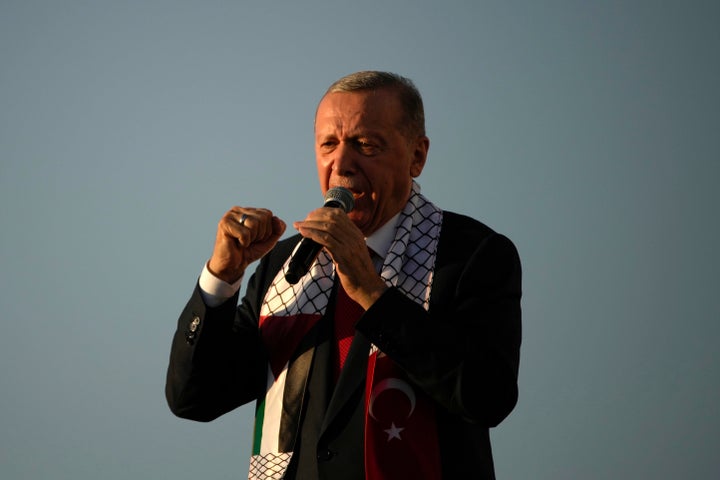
{"x":308,"y":249}
{"x":335,"y":231}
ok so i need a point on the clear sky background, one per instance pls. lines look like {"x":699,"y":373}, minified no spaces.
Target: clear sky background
{"x":586,"y":131}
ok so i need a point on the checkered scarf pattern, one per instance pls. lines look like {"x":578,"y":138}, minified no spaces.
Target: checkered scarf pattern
{"x":408,"y":267}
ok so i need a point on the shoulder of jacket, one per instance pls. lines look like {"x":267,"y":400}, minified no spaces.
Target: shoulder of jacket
{"x":461,"y":235}
{"x":456,"y":223}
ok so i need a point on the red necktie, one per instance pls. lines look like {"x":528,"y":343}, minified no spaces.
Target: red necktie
{"x":347,"y":312}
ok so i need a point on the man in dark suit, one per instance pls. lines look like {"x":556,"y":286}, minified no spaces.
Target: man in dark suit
{"x":397,"y":351}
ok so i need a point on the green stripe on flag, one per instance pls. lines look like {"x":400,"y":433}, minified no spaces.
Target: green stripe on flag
{"x":257,"y":435}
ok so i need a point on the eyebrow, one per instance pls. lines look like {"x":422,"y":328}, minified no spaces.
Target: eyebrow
{"x":365,"y":133}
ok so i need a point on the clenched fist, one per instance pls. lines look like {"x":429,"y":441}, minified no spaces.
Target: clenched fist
{"x":244,"y":235}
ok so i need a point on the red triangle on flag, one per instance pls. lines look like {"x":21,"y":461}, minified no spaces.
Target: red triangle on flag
{"x":282,"y":336}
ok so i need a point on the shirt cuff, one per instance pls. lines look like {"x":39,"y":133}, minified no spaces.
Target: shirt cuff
{"x":214,"y":291}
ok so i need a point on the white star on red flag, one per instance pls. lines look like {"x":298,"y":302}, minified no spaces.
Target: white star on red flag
{"x":394,"y":432}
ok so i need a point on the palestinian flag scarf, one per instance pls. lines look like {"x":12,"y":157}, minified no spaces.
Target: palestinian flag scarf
{"x":289,"y":312}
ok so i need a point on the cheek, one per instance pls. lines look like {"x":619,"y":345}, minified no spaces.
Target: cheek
{"x":323,"y":172}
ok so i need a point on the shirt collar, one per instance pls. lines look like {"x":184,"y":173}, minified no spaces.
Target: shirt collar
{"x":380,"y":240}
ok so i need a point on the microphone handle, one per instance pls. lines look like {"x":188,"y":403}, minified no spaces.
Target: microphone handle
{"x":306,"y":253}
{"x":301,"y":261}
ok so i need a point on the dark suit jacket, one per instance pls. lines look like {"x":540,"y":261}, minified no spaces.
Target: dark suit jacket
{"x":463,"y":352}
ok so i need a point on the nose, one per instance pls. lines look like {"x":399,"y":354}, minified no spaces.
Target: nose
{"x":344,"y":160}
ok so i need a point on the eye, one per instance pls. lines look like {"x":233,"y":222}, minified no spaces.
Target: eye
{"x":367,"y":147}
{"x":327,"y":145}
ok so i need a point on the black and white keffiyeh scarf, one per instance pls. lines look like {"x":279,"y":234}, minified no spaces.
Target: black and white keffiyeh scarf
{"x":289,"y":312}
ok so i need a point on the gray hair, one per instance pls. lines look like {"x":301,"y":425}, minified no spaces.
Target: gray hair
{"x":408,"y":94}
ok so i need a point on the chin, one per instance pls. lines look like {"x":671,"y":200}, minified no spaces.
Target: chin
{"x":360,"y":219}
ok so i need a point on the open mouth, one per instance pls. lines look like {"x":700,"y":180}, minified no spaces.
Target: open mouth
{"x":355,"y":191}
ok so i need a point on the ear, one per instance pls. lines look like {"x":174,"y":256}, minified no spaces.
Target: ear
{"x":422,"y":145}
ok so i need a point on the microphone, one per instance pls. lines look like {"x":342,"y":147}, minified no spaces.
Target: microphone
{"x":308,"y":250}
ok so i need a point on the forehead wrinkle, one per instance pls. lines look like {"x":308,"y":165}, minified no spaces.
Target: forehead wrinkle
{"x":361,"y":116}
{"x":336,"y":125}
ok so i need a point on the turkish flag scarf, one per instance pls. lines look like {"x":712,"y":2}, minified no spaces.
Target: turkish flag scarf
{"x":400,"y":431}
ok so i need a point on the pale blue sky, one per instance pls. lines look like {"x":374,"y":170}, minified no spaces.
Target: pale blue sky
{"x":585,"y":131}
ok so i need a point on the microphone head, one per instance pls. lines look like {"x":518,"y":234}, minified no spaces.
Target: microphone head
{"x":341,"y":198}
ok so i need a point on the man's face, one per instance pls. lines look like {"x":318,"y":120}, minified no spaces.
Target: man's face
{"x":359,"y":145}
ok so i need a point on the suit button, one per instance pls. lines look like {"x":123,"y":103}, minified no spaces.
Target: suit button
{"x":194,"y":324}
{"x":191,"y":332}
{"x":325,"y":455}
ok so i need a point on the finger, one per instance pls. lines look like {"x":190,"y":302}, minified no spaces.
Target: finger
{"x":320,"y":232}
{"x":241,"y":218}
{"x":248,"y":224}
{"x":265,"y":224}
{"x":260,"y":222}
{"x":278,"y":227}
{"x":235,"y":225}
{"x":332,"y":222}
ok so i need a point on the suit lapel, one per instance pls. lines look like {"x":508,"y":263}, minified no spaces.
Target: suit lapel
{"x":296,"y":387}
{"x":351,"y":378}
